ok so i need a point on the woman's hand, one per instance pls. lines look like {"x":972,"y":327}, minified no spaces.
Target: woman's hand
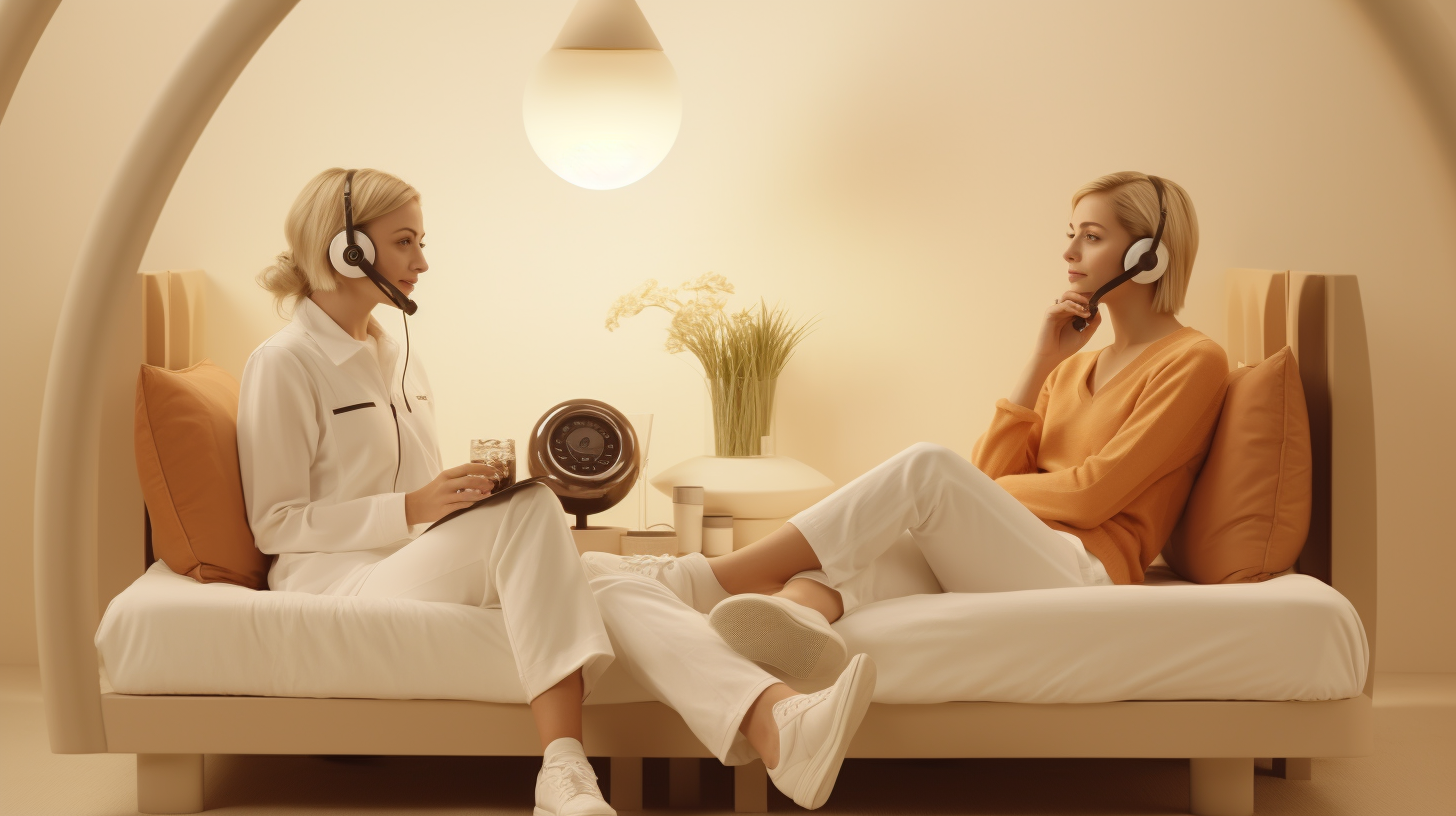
{"x":452,"y":490}
{"x":1055,"y":342}
{"x":1058,"y":340}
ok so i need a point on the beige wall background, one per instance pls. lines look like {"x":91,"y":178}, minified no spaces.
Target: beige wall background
{"x":900,"y":170}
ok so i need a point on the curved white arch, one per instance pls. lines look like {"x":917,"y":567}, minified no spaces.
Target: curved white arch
{"x":21,"y":24}
{"x":66,"y":462}
{"x":1422,"y":42}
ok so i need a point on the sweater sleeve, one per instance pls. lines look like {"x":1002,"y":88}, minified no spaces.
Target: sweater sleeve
{"x":278,"y":437}
{"x":1170,"y":407}
{"x":1010,"y":445}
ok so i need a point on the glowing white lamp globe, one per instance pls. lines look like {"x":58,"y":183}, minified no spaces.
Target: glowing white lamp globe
{"x":603,"y":107}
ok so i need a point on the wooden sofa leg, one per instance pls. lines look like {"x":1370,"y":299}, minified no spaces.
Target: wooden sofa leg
{"x":169,"y":783}
{"x":1221,"y":787}
{"x":750,"y":788}
{"x":627,"y":783}
{"x":684,"y":782}
{"x":1293,"y":767}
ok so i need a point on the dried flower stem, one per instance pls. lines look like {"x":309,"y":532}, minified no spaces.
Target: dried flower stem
{"x":742,"y":354}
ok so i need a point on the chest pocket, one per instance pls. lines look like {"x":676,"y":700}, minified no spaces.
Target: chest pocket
{"x":366,"y":439}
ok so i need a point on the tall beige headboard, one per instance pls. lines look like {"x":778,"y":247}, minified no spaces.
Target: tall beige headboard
{"x":1321,"y":319}
{"x":172,"y":315}
{"x":172,"y":320}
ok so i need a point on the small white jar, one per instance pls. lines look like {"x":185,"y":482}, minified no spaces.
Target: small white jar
{"x":717,"y":535}
{"x":687,"y":518}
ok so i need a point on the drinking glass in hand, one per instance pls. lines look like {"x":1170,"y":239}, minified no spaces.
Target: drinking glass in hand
{"x":499,"y":454}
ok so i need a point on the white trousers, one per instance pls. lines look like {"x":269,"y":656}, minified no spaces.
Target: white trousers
{"x":517,"y":555}
{"x":924,"y":521}
{"x":971,"y":534}
{"x":661,"y":636}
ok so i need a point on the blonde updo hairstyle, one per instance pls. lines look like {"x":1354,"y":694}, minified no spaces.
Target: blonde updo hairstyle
{"x":317,"y":215}
{"x":1135,"y":201}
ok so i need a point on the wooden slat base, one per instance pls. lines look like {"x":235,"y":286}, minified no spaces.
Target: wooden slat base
{"x":750,"y":788}
{"x":169,"y":783}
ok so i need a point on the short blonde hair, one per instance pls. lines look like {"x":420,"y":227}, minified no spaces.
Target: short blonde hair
{"x":317,"y":215}
{"x":1135,"y":201}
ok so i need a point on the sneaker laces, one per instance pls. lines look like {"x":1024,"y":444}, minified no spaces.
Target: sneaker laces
{"x":571,"y":776}
{"x":786,"y":709}
{"x":648,"y":565}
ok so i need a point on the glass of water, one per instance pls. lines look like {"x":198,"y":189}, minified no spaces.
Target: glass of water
{"x":499,"y":454}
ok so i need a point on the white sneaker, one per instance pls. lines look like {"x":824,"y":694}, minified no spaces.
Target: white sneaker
{"x":795,"y":639}
{"x":663,"y":569}
{"x":567,"y":785}
{"x":815,"y":731}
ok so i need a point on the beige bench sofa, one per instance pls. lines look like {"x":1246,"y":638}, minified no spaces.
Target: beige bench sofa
{"x":1320,"y":316}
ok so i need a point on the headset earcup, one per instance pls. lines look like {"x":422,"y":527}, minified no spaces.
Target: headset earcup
{"x":340,"y":243}
{"x":1136,"y":251}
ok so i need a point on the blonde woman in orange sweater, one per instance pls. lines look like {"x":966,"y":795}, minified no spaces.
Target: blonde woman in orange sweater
{"x":1078,"y":481}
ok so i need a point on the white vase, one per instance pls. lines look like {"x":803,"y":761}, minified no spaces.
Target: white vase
{"x":748,"y":487}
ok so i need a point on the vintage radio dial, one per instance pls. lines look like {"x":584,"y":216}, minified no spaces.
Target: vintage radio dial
{"x":587,"y":450}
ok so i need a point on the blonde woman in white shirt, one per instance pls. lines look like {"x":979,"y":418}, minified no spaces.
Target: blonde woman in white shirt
{"x":341,"y":474}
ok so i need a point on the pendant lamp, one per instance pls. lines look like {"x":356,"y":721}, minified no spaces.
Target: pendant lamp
{"x":603,"y":107}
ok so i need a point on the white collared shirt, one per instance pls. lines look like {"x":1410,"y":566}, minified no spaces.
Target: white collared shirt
{"x":328,"y":450}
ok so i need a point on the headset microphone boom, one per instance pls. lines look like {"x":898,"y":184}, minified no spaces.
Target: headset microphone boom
{"x":1145,"y":261}
{"x":352,"y":255}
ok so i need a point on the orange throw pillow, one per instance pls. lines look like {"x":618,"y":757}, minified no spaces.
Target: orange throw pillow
{"x":187,"y":458}
{"x":1248,"y":513}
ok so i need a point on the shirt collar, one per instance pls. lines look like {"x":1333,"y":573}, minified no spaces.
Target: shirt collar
{"x":335,"y":342}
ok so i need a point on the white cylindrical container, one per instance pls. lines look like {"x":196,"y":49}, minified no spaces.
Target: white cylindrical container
{"x":687,"y":518}
{"x":717,"y":535}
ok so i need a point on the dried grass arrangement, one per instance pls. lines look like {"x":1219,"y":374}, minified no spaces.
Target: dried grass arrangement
{"x":741,"y":352}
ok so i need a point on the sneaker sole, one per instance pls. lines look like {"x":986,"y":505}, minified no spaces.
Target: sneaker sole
{"x":543,"y":812}
{"x":849,"y":712}
{"x":761,"y":631}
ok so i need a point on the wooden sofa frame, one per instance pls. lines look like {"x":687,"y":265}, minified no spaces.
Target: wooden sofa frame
{"x":1319,"y":315}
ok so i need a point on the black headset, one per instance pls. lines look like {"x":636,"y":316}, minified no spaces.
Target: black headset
{"x":352,"y":255}
{"x":1144,"y":262}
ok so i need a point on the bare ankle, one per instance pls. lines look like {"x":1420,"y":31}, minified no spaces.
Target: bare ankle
{"x":815,"y":596}
{"x":759,"y":726}
{"x":764,"y":565}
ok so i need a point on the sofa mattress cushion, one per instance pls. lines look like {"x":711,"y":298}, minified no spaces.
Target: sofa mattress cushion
{"x":1289,"y":638}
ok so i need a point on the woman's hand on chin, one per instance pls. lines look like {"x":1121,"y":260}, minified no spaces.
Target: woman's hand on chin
{"x":453,"y":489}
{"x":1057,"y":340}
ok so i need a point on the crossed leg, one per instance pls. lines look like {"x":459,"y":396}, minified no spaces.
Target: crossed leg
{"x":974,"y":536}
{"x":654,"y":608}
{"x":768,"y":567}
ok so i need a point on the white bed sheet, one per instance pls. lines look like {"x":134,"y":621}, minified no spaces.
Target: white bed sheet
{"x":169,"y":634}
{"x":1290,"y":638}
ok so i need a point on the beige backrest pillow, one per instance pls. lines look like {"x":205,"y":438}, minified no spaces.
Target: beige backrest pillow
{"x":1248,"y":513}
{"x":187,"y":458}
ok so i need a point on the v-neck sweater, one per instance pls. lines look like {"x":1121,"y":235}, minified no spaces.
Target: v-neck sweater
{"x":1113,"y":468}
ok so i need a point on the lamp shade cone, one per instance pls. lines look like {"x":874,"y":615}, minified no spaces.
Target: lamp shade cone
{"x":603,"y":107}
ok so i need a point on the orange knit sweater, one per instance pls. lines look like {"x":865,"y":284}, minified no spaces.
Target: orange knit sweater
{"x":1113,"y":468}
